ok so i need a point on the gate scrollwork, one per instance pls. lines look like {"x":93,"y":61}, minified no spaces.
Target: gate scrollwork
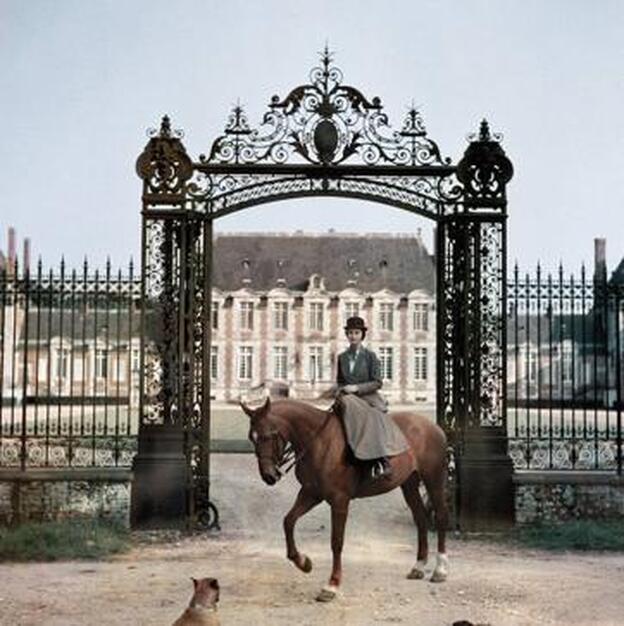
{"x":324,"y":138}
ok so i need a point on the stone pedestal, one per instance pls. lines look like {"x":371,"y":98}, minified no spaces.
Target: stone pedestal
{"x":159,"y":485}
{"x":486,"y":498}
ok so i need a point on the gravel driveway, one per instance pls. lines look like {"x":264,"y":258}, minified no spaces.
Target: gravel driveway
{"x":489,"y":583}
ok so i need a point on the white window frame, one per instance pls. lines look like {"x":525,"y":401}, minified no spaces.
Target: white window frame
{"x":136,"y":359}
{"x":315,"y":363}
{"x":386,"y":362}
{"x":421,"y":364}
{"x":214,"y":362}
{"x":78,"y":364}
{"x":61,"y":363}
{"x":420,"y":316}
{"x":102,"y":362}
{"x":280,"y":315}
{"x":386,"y":316}
{"x":567,"y":364}
{"x":316,"y":316}
{"x":246,"y":314}
{"x":280,"y":362}
{"x":245,"y":363}
{"x":351,"y":309}
{"x":530,"y":364}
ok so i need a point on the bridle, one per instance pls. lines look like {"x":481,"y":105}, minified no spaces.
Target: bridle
{"x":288,"y":455}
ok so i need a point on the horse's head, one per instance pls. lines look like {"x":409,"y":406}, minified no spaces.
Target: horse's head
{"x":269,"y":444}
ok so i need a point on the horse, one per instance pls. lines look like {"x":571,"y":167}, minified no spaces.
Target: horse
{"x":290,"y":432}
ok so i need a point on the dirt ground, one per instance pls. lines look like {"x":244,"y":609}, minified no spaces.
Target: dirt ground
{"x":488,"y":584}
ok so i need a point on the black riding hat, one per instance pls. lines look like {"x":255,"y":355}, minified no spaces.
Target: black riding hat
{"x":356,"y":323}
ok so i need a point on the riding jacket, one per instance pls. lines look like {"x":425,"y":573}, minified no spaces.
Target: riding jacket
{"x":366,"y":374}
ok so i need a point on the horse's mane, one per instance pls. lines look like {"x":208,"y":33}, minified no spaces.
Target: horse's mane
{"x":287,"y":407}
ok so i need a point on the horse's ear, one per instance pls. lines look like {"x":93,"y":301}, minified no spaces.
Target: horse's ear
{"x":266,"y":407}
{"x":247,"y":410}
{"x":195,"y":581}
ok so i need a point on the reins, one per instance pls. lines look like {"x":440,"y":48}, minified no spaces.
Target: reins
{"x":289,"y":455}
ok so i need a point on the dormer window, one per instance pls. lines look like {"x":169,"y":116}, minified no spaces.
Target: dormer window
{"x":280,"y":315}
{"x":421,"y":316}
{"x":352,"y":309}
{"x":386,"y":316}
{"x":246,"y":315}
{"x":316,"y":315}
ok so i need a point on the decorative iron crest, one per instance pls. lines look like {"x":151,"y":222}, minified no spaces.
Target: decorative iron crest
{"x":484,"y":169}
{"x":325,"y":123}
{"x":164,"y":165}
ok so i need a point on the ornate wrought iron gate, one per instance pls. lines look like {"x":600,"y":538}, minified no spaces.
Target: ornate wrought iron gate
{"x":324,"y":138}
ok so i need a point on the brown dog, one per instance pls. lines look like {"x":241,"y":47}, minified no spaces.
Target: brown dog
{"x":202,"y":610}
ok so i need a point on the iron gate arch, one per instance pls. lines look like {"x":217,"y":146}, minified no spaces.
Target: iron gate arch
{"x":323,"y":139}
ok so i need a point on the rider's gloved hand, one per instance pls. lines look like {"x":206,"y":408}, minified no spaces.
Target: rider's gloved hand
{"x":350,"y":389}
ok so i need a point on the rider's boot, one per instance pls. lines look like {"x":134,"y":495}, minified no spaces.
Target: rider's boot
{"x":381,"y":468}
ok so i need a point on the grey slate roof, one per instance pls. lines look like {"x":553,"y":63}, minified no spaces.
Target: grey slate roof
{"x":45,"y":323}
{"x":617,"y":278}
{"x":576,"y":328}
{"x":398,"y":263}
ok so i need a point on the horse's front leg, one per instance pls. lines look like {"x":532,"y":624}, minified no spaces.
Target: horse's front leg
{"x":339,"y":513}
{"x":304,"y":502}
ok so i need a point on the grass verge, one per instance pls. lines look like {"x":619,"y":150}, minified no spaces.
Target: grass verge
{"x":66,"y":539}
{"x":575,"y":535}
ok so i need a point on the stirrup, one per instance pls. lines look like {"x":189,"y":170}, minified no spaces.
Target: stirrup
{"x":381,"y":469}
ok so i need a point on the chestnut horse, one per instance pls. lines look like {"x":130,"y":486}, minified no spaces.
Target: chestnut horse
{"x":313,"y":440}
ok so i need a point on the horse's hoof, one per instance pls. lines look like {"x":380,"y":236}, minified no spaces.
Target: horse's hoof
{"x":327,"y":594}
{"x":416,"y":574}
{"x":306,"y":566}
{"x":438,"y":577}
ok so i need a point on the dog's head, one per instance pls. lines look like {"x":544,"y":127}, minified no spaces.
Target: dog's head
{"x":206,"y":592}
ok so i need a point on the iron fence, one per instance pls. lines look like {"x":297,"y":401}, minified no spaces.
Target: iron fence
{"x":564,"y":374}
{"x":69,"y":361}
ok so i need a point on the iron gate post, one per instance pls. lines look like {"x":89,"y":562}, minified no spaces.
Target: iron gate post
{"x":476,"y":250}
{"x":172,"y":318}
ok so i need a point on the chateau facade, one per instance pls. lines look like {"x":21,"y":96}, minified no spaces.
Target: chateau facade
{"x":280,"y":303}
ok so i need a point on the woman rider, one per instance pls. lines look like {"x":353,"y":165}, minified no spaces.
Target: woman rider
{"x":370,"y":434}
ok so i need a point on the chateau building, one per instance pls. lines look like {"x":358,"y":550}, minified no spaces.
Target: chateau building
{"x":280,"y":302}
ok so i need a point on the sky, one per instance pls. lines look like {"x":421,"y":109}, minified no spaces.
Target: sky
{"x":81,"y":81}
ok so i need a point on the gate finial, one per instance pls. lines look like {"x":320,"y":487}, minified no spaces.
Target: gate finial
{"x":485,"y":169}
{"x":165,"y":126}
{"x":164,"y":166}
{"x":484,"y":131}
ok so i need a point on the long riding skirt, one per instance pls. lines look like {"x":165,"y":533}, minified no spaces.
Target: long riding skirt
{"x":371,"y":433}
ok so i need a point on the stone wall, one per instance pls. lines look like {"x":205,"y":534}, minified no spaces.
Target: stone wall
{"x":547,"y":497}
{"x":48,"y":494}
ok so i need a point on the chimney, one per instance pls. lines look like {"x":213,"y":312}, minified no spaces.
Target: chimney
{"x":11,"y":251}
{"x":600,"y":289}
{"x":600,"y":260}
{"x":26,"y":264}
{"x":281,"y":281}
